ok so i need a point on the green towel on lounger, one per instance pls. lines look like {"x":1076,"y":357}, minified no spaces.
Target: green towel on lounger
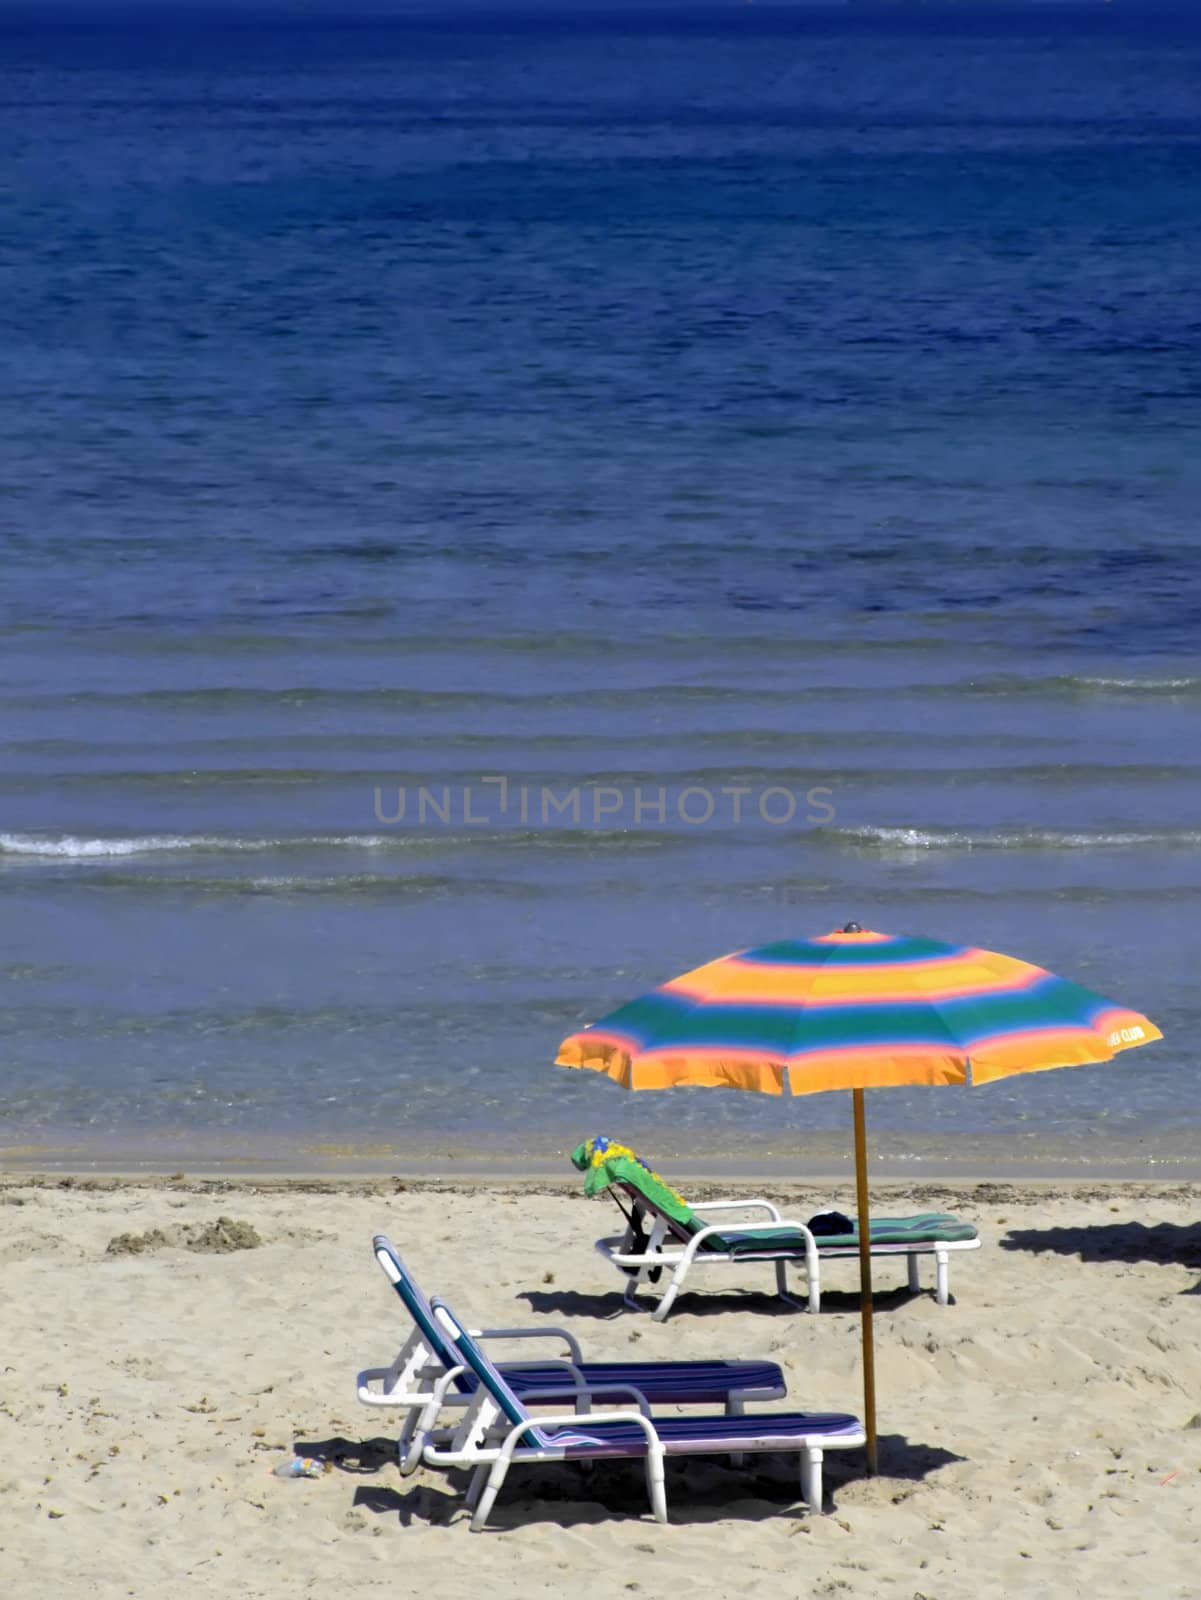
{"x":603,"y":1162}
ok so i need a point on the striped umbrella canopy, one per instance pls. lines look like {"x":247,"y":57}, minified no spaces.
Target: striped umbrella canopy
{"x":855,"y":1010}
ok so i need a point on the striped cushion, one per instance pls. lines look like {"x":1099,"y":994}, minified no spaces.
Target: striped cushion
{"x":668,"y":1383}
{"x":772,"y":1243}
{"x":931,"y":1227}
{"x":928,"y":1227}
{"x":705,"y":1435}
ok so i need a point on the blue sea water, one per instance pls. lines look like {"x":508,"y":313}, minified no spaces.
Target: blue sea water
{"x":791,"y":409}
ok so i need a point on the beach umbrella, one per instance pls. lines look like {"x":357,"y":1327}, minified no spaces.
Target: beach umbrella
{"x":854,"y":1010}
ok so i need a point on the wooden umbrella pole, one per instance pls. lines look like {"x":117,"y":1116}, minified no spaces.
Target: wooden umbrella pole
{"x":865,"y":1283}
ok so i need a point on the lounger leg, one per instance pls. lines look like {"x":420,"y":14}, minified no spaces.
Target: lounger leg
{"x":404,"y":1442}
{"x":411,"y":1459}
{"x":941,"y":1274}
{"x":476,"y":1487}
{"x":488,"y":1499}
{"x":413,"y":1438}
{"x":655,"y":1483}
{"x":811,"y":1480}
{"x":915,"y":1281}
{"x":812,"y":1301}
{"x":736,"y":1407}
{"x":669,"y":1296}
{"x":660,"y":1312}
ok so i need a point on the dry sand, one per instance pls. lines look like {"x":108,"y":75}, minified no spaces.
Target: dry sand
{"x":1041,"y":1436}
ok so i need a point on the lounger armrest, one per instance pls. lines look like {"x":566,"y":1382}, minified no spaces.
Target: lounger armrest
{"x":444,"y":1383}
{"x":569,"y":1339}
{"x":738,"y":1205}
{"x":388,"y":1397}
{"x":567,"y":1368}
{"x":370,"y":1396}
{"x":432,"y":1400}
{"x":615,"y":1249}
{"x":610,"y":1390}
{"x":601,"y":1390}
{"x":645,"y":1258}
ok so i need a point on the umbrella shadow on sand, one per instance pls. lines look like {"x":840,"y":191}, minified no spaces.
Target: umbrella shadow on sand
{"x":700,"y":1490}
{"x":608,"y":1307}
{"x":1168,"y":1243}
{"x":901,"y":1461}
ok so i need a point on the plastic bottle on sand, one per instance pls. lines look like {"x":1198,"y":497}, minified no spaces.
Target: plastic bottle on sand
{"x":298,"y":1467}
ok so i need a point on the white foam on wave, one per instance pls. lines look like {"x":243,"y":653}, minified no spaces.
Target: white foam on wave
{"x":1012,"y":839}
{"x":1142,"y":685}
{"x":69,"y":847}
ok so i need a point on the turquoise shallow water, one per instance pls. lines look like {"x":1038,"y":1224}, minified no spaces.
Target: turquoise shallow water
{"x":761,"y":438}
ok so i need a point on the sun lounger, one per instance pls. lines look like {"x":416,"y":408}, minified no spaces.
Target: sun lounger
{"x":411,"y":1382}
{"x":684,"y":1237}
{"x":498,"y":1429}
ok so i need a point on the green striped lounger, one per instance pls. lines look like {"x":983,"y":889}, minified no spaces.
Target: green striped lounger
{"x":682,"y":1237}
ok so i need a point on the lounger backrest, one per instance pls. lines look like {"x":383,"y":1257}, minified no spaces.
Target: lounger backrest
{"x":416,"y":1304}
{"x":470,"y":1354}
{"x":608,"y":1165}
{"x":679,"y":1230}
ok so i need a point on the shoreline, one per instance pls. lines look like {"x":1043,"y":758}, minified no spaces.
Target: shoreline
{"x":962,"y":1193}
{"x":820,"y":1161}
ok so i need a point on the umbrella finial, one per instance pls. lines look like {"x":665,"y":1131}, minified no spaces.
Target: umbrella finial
{"x":851,"y":927}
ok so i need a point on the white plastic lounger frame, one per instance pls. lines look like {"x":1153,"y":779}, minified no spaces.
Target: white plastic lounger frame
{"x":940,"y":1249}
{"x":677,"y":1256}
{"x":499,"y":1430}
{"x":415,"y":1381}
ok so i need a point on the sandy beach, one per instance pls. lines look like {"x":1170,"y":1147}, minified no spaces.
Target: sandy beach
{"x":1041,"y":1435}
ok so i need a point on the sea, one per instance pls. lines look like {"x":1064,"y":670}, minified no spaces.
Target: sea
{"x":502,"y":505}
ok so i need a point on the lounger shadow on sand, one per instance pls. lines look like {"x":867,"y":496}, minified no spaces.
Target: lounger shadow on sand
{"x":616,"y":1488}
{"x":760,"y":1302}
